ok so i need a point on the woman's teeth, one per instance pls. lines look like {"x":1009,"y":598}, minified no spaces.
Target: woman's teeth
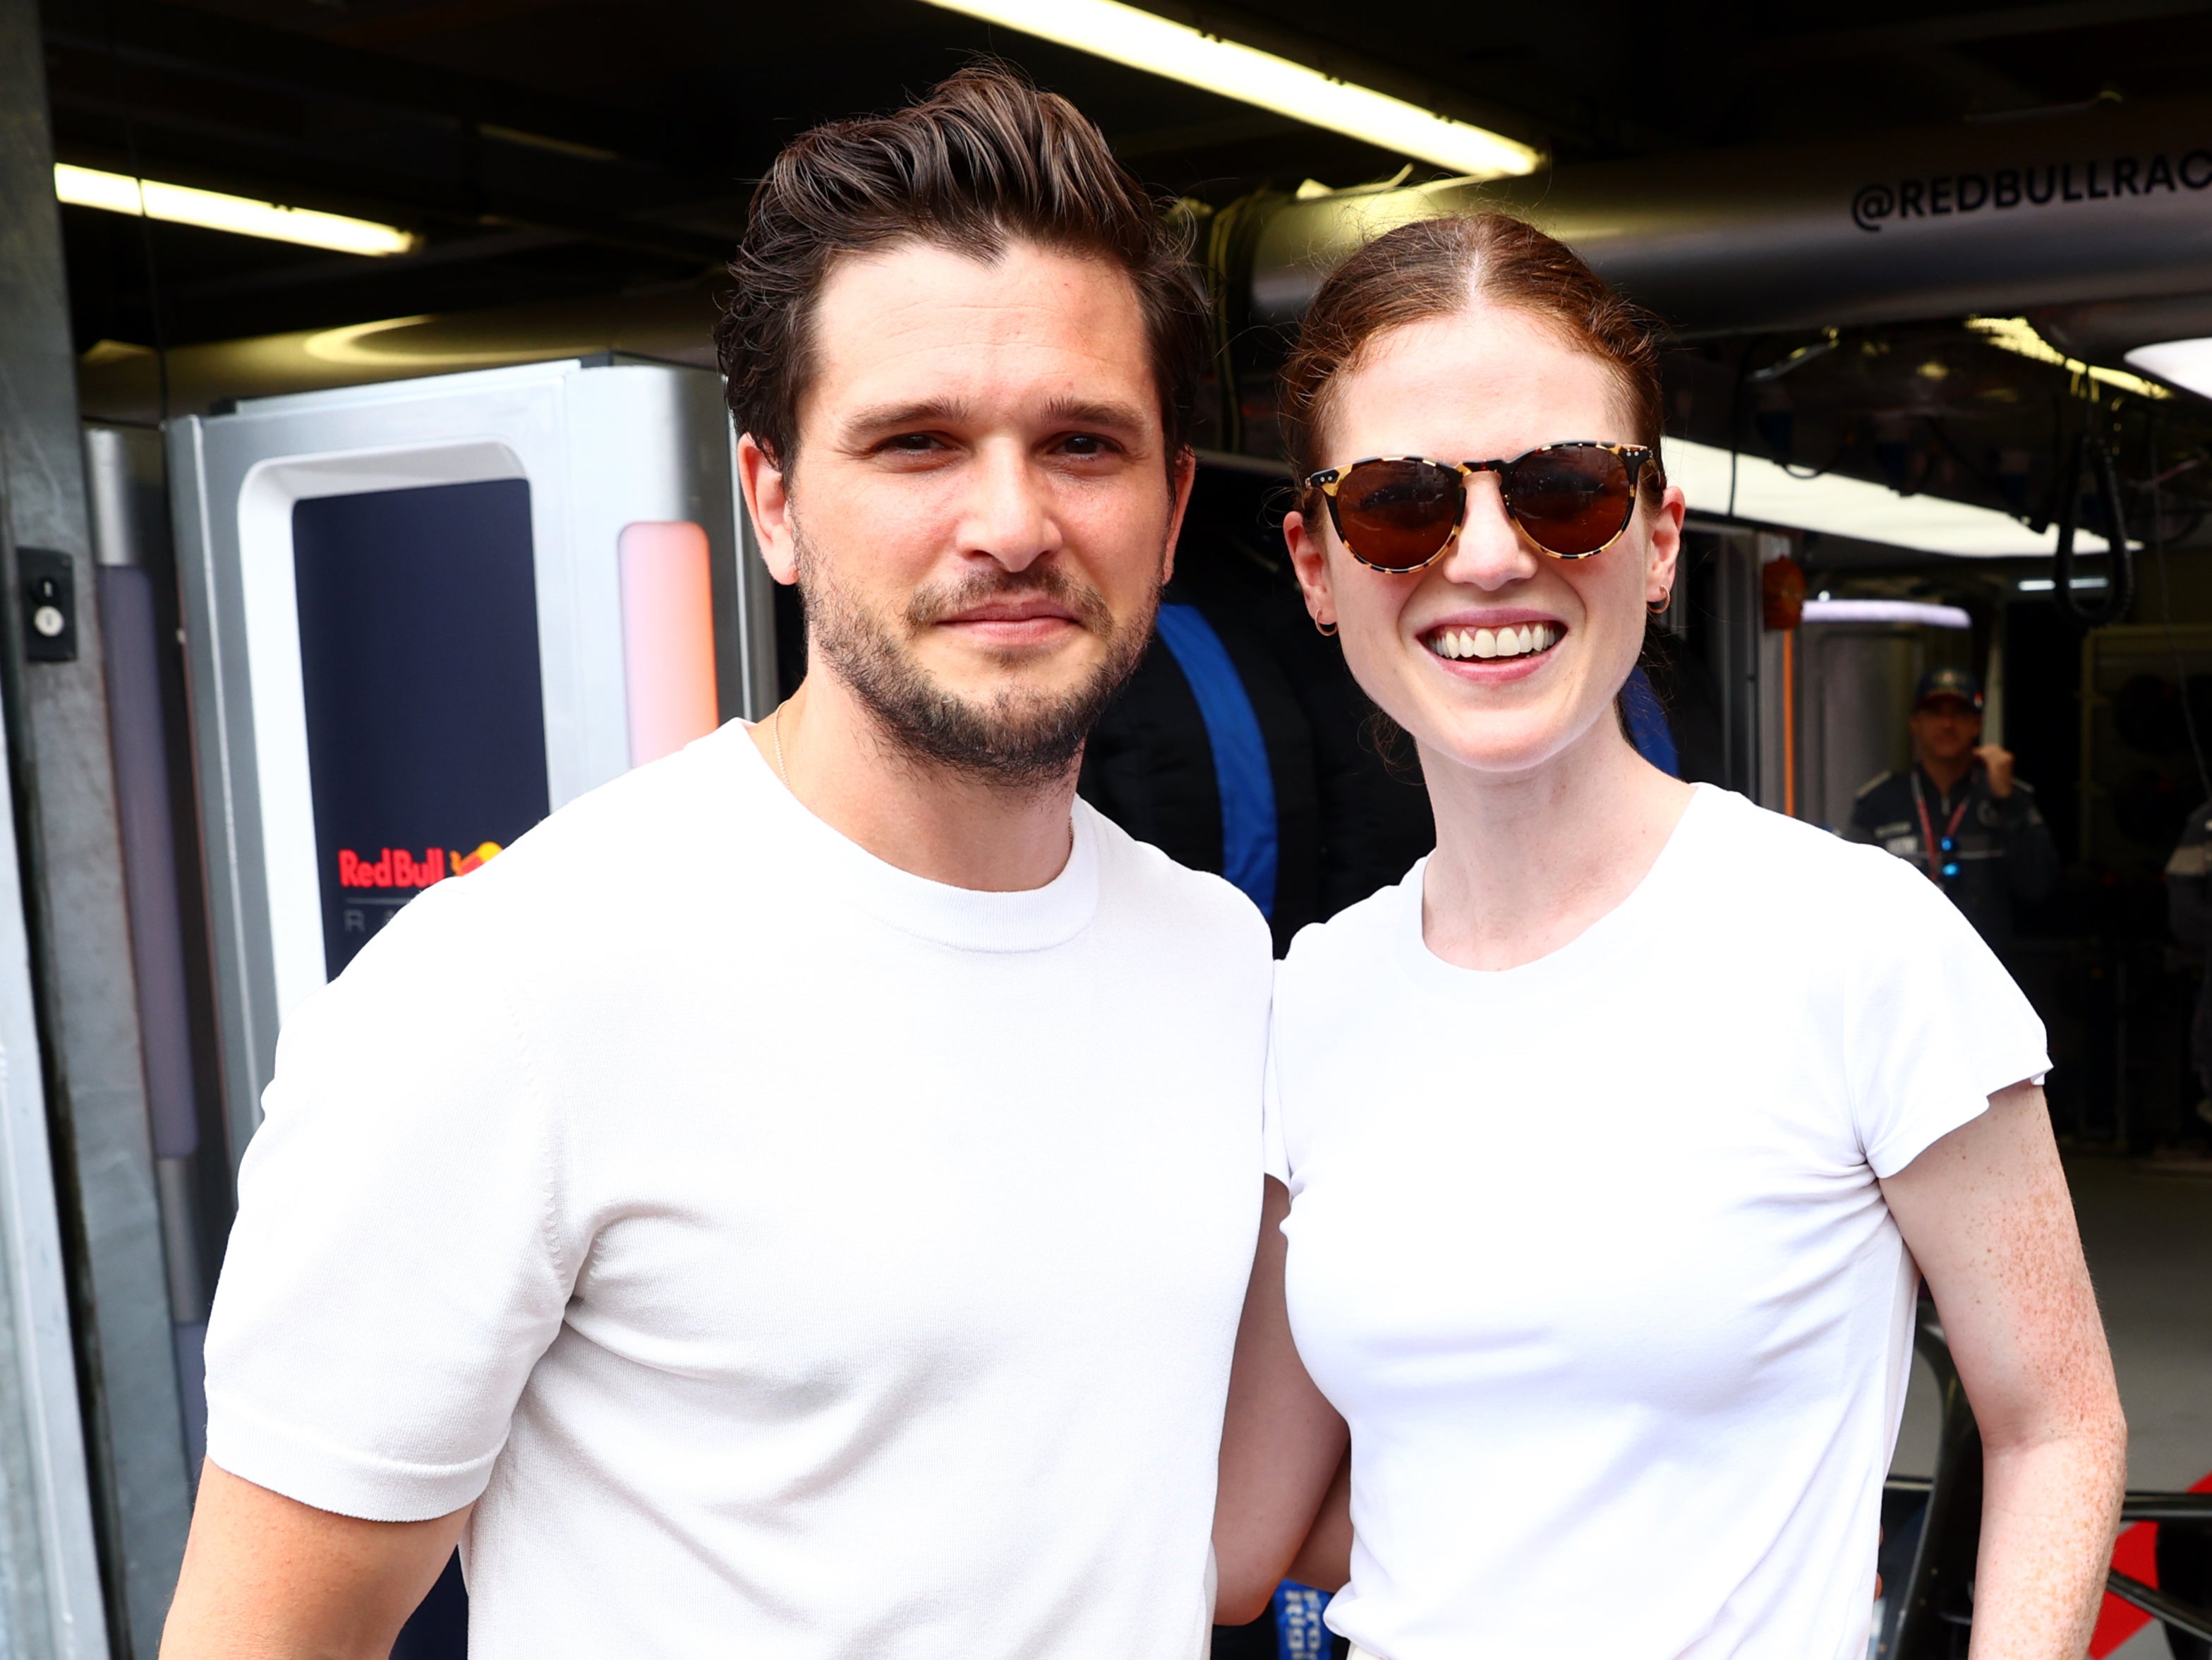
{"x":1456,"y":643}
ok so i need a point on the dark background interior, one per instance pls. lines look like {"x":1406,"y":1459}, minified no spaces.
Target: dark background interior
{"x":568,"y":150}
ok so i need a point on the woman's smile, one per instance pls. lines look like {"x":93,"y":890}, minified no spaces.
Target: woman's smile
{"x":1492,"y":646}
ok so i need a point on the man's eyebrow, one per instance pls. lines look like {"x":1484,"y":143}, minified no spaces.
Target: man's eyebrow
{"x":1095,"y":412}
{"x":919,"y":415}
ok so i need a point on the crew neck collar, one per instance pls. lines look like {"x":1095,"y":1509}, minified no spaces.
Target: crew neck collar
{"x":1574,"y":962}
{"x":965,"y":919}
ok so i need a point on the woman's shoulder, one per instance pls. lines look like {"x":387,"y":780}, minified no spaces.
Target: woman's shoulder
{"x":1795,"y":869}
{"x":1748,"y":831}
{"x":1359,"y":932}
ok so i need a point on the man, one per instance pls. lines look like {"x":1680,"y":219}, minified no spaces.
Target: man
{"x":797,"y":1200}
{"x":1960,"y":814}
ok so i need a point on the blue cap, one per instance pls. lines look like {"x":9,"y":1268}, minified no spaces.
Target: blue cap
{"x":1947,"y":682}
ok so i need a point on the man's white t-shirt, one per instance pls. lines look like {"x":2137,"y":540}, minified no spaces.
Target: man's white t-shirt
{"x":1592,"y":1255}
{"x":786,"y":1255}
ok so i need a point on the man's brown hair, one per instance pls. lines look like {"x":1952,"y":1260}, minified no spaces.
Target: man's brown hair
{"x":985,"y":160}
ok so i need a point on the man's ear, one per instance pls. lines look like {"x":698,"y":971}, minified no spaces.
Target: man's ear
{"x":767,"y":487}
{"x":1180,"y":477}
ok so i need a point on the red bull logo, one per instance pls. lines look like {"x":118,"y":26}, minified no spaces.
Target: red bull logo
{"x":396,"y":867}
{"x":465,"y":862}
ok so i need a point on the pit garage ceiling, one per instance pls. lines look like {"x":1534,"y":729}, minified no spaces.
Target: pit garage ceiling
{"x":551,"y":150}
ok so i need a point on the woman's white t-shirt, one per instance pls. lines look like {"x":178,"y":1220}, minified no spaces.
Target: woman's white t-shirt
{"x":1592,"y":1255}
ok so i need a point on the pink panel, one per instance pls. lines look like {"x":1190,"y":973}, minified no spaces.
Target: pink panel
{"x":668,"y":637}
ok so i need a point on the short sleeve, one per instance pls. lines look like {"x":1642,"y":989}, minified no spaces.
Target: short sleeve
{"x":1935,"y":1025}
{"x":393,"y":1275}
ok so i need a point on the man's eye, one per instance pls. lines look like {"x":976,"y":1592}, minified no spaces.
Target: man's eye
{"x":913,"y":443}
{"x":1086,"y":443}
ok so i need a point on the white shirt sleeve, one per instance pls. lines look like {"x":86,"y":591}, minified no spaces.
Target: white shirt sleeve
{"x":1934,"y":1025}
{"x":395,"y":1271}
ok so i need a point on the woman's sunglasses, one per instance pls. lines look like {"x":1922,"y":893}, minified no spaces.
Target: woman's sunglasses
{"x":1398,"y":513}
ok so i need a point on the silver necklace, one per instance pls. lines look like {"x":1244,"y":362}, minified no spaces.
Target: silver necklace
{"x":776,"y":732}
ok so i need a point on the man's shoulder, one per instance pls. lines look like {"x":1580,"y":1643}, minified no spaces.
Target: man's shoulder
{"x":613,"y":859}
{"x":1881,"y":786}
{"x":1148,"y":887}
{"x":1881,"y":808}
{"x":665,"y":808}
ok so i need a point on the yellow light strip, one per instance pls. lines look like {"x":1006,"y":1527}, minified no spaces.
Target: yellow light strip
{"x":2017,"y":335}
{"x":1143,"y":40}
{"x":180,"y":204}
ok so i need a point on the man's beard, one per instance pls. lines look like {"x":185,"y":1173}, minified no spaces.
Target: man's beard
{"x":1016,"y":739}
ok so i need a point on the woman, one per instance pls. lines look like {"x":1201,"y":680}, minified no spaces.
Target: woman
{"x":1604,"y":1148}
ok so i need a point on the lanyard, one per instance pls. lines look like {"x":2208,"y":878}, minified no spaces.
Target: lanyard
{"x":1937,"y":872}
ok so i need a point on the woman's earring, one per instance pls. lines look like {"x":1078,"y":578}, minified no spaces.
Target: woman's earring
{"x":1328,"y":629}
{"x":1658,"y":607}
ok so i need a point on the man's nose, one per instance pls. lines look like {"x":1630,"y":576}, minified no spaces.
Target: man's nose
{"x":1008,"y":516}
{"x":1491,"y":553}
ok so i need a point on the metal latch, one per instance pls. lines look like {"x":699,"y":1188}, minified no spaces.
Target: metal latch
{"x":49,"y":590}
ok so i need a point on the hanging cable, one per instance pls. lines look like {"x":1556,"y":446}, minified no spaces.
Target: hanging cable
{"x":2091,"y":451}
{"x":1736,"y":417}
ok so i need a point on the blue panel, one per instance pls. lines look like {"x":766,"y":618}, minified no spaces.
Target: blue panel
{"x":1240,"y":753}
{"x":418,"y":658}
{"x":1647,"y":724}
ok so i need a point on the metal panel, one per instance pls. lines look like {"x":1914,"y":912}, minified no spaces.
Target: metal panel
{"x":126,"y":479}
{"x":76,"y":1033}
{"x":238,"y":911}
{"x":2105,"y":204}
{"x":1855,"y":694}
{"x":602,"y":444}
{"x":2133,"y":800}
{"x":1721,"y":579}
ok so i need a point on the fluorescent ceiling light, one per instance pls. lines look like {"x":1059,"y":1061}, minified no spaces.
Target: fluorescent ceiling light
{"x":1887,"y":611}
{"x":2018,"y":335}
{"x":416,"y":345}
{"x":2045,"y":584}
{"x":2185,"y":363}
{"x":180,"y":204}
{"x":1771,"y":495}
{"x":1144,"y":40}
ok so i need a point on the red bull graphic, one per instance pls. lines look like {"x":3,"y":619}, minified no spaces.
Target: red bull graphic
{"x":465,"y":862}
{"x":419,"y":663}
{"x":396,"y":867}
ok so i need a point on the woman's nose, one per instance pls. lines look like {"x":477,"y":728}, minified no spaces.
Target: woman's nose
{"x":1490,"y":551}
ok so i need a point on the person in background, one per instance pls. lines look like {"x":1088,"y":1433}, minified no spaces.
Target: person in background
{"x":1959,"y":813}
{"x":797,"y":1199}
